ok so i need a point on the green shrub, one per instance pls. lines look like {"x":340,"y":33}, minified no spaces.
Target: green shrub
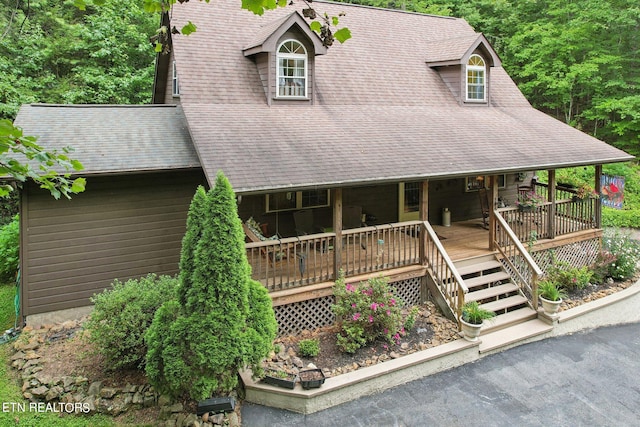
{"x":626,"y":252}
{"x":222,"y":320}
{"x":309,"y":348}
{"x":123,"y":314}
{"x":9,"y":249}
{"x":369,"y":310}
{"x":568,"y":277}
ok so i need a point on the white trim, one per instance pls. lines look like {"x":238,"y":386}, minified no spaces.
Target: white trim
{"x":175,"y":84}
{"x":295,"y":67}
{"x":480,"y":73}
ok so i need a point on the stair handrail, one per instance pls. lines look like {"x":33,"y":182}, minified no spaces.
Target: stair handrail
{"x":444,"y":272}
{"x":517,"y":249}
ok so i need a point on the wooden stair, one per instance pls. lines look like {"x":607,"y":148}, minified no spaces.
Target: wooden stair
{"x":492,"y":287}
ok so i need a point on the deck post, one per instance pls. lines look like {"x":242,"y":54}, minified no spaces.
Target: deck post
{"x":337,"y":228}
{"x":551,"y":197}
{"x":493,"y":199}
{"x":424,"y":216}
{"x":598,"y":187}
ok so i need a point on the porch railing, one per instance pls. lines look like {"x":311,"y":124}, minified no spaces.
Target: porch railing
{"x":516,"y":259}
{"x":443,"y":272}
{"x":292,"y":262}
{"x":544,"y":223}
{"x":305,"y":260}
{"x":380,"y":247}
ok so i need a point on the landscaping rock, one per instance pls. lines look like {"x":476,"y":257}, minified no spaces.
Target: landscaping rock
{"x":107,"y":392}
{"x":40,"y":392}
{"x":94,"y":388}
{"x":53,"y":393}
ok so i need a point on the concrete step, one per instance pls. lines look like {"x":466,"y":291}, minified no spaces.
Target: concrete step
{"x":505,"y":337}
{"x":508,"y":319}
{"x":504,"y":303}
{"x":479,"y":267}
{"x":485,"y":279}
{"x":492,"y":292}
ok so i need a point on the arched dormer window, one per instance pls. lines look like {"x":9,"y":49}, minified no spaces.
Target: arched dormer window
{"x":476,"y":79}
{"x":292,"y":70}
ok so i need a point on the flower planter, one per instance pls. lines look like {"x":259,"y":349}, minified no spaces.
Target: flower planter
{"x":273,"y":378}
{"x":470,"y":331}
{"x":550,"y":307}
{"x":311,"y":378}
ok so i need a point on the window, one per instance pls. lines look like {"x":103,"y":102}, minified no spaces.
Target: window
{"x":474,"y":183}
{"x":290,"y":200}
{"x":476,"y":84}
{"x":175,"y":85}
{"x":292,"y":70}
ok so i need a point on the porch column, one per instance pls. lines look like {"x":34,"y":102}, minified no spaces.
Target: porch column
{"x":551,"y":197}
{"x":597,"y":185}
{"x":337,"y":228}
{"x":493,"y":202}
{"x":424,"y":216}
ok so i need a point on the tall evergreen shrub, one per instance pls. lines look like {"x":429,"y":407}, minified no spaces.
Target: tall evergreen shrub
{"x":222,"y":320}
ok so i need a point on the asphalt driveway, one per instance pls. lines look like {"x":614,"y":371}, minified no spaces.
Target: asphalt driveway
{"x":591,"y":378}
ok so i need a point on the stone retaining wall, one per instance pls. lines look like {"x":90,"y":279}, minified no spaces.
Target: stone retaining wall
{"x":76,"y":394}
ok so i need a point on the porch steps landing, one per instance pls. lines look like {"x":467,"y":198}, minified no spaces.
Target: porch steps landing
{"x":492,"y":287}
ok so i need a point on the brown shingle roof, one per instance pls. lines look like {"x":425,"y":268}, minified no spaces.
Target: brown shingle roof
{"x":379,"y":113}
{"x":114,"y":138}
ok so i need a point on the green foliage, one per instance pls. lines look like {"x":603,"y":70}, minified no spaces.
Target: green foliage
{"x":568,"y":277}
{"x":410,"y":320}
{"x":55,"y":53}
{"x":9,"y":249}
{"x":548,"y":290}
{"x":7,"y":311}
{"x":123,"y":314}
{"x":368,"y":311}
{"x":222,"y":320}
{"x":41,"y":165}
{"x":309,"y":347}
{"x":474,"y":314}
{"x":626,"y":252}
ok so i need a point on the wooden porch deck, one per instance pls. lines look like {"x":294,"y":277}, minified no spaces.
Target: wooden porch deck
{"x":465,"y":239}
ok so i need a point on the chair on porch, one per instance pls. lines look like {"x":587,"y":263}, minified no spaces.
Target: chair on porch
{"x":352,"y":218}
{"x":272,"y":253}
{"x":484,"y":206}
{"x":304,"y":222}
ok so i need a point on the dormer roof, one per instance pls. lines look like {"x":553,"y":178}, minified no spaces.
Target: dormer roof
{"x":457,"y":50}
{"x":266,"y":39}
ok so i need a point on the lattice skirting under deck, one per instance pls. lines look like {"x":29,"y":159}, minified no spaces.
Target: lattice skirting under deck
{"x":577,"y":254}
{"x":314,"y":313}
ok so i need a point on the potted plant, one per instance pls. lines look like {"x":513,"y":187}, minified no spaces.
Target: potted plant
{"x":311,"y":378}
{"x":280,"y":378}
{"x":527,"y":201}
{"x":585,"y":192}
{"x":550,"y":296}
{"x":472,"y":318}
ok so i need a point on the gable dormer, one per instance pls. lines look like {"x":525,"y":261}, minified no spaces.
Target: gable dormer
{"x":464,"y":64}
{"x":284,"y":52}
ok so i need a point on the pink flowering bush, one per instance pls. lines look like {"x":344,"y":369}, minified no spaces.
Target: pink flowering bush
{"x":367,"y":311}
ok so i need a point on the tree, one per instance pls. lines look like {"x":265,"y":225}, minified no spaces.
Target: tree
{"x":21,"y":158}
{"x":222,"y":320}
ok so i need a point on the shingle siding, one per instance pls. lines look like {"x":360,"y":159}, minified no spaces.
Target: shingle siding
{"x":122,"y":227}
